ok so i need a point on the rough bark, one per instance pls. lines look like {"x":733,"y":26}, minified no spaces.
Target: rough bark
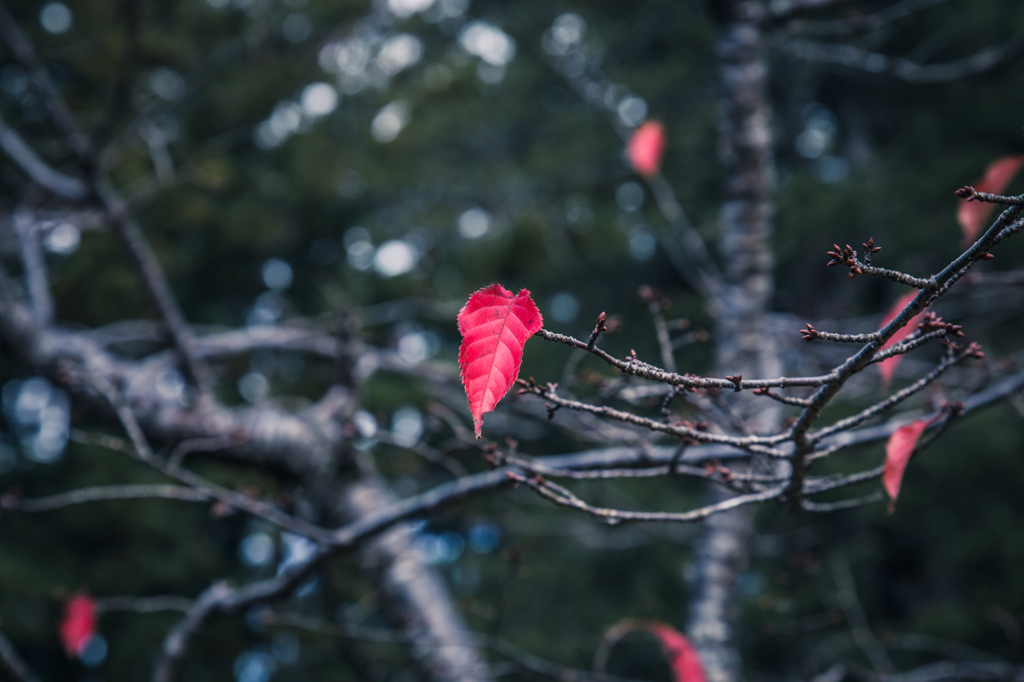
{"x":741,"y":310}
{"x":309,"y":446}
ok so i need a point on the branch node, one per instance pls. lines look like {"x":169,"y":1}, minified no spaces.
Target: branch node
{"x":598,"y":328}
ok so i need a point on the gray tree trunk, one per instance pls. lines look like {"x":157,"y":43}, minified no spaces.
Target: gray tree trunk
{"x":743,"y":344}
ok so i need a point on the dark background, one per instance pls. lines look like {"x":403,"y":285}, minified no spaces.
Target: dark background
{"x":323,"y":195}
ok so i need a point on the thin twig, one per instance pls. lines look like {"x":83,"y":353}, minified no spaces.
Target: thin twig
{"x":27,"y":229}
{"x":862,"y":22}
{"x":138,"y":447}
{"x":891,"y":401}
{"x":137,"y":491}
{"x":846,"y":591}
{"x":841,"y":505}
{"x":679,"y":430}
{"x":853,"y":57}
{"x":41,"y":173}
{"x":564,"y":498}
{"x":168,"y":602}
{"x":14,"y":664}
{"x":971,"y":194}
{"x":113,"y":205}
{"x":177,"y":640}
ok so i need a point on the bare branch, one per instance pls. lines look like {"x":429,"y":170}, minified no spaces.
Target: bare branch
{"x":971,"y":194}
{"x":143,"y":604}
{"x":943,"y":671}
{"x":139,"y":491}
{"x":904,"y":347}
{"x":847,"y":256}
{"x":519,"y":658}
{"x":116,"y":209}
{"x":14,"y":664}
{"x":846,"y":591}
{"x":786,"y":400}
{"x":852,"y":57}
{"x":562,"y":497}
{"x":860,"y":22}
{"x":684,"y":245}
{"x":891,"y":401}
{"x":41,"y":173}
{"x":212,"y":444}
{"x":140,"y":449}
{"x":842,"y":505}
{"x":782,"y":9}
{"x":27,"y":229}
{"x":809,"y":333}
{"x":679,"y":430}
{"x":177,"y":641}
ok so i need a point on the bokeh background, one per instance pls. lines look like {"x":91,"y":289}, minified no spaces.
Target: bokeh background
{"x":295,"y":158}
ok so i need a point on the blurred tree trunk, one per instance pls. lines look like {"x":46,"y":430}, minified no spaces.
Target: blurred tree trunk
{"x":743,"y":343}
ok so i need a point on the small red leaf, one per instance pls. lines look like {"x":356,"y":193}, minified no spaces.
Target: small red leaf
{"x":679,"y":653}
{"x":897,"y":454}
{"x":494,"y":326}
{"x":973,"y":214}
{"x":646,"y":147}
{"x":887,"y":367}
{"x":682,"y":657}
{"x":78,"y":624}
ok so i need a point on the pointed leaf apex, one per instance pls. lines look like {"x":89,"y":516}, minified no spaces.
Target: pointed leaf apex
{"x":495,"y":326}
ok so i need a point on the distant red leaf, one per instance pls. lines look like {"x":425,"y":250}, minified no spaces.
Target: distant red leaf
{"x":78,"y":624}
{"x":646,"y":147}
{"x":887,"y":367}
{"x":682,"y":658}
{"x":973,"y":214}
{"x":897,"y":454}
{"x":494,"y":326}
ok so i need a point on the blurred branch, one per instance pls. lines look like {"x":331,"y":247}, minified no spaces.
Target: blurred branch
{"x":846,"y":591}
{"x":116,"y":209}
{"x":140,"y":449}
{"x":521,"y":659}
{"x":143,"y":604}
{"x":782,"y":9}
{"x":27,"y":229}
{"x":648,"y":371}
{"x":41,"y":173}
{"x":98,"y":493}
{"x":563,"y":498}
{"x":177,"y":641}
{"x":13,"y":664}
{"x":684,"y":245}
{"x":853,"y":57}
{"x":939,"y":646}
{"x":857,"y":21}
{"x":128,"y":61}
{"x":941,"y":671}
{"x":891,"y":401}
{"x":841,"y":505}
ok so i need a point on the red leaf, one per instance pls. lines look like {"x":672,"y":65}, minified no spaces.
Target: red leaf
{"x":973,"y":214}
{"x":646,"y":147}
{"x":494,"y":326}
{"x":682,"y":657}
{"x":897,"y":454}
{"x":78,"y":624}
{"x":887,"y":367}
